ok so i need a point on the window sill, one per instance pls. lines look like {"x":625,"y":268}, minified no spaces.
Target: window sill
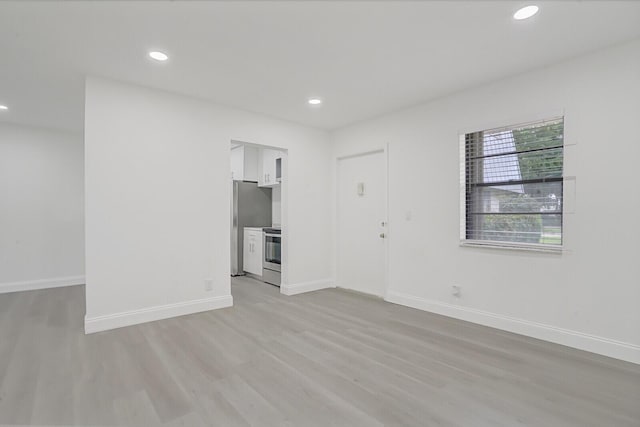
{"x":527,"y":247}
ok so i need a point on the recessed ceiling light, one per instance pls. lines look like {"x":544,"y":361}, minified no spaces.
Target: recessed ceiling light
{"x":315,"y":101}
{"x":158,"y":56}
{"x":3,"y":107}
{"x":525,"y":12}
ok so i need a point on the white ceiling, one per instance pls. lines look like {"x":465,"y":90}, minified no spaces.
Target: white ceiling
{"x":363,"y":58}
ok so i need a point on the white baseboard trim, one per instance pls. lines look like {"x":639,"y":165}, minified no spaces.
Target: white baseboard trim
{"x":31,"y":285}
{"x":299,"y":288}
{"x":150,"y":314}
{"x":595,"y":344}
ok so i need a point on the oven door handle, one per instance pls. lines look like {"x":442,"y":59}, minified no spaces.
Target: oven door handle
{"x":271,"y":235}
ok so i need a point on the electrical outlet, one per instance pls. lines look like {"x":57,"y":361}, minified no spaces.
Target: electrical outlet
{"x":208,"y":284}
{"x":455,"y":291}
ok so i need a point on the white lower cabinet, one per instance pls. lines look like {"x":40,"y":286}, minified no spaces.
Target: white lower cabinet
{"x":252,"y":253}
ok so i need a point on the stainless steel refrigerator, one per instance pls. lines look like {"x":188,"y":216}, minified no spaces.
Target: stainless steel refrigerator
{"x":250,"y":207}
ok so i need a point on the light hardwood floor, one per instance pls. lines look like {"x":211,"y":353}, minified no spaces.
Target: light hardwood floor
{"x":325,"y":358}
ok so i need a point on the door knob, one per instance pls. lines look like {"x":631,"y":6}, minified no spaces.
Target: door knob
{"x":382,"y":236}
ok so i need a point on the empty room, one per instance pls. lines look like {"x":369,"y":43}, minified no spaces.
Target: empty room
{"x":315,"y":213}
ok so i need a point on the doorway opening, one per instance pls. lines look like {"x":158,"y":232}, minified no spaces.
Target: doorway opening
{"x":258,"y":199}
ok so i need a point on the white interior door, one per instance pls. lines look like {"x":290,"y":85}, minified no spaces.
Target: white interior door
{"x":361,"y":217}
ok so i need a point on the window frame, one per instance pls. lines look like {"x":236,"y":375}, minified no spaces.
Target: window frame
{"x":498,"y":244}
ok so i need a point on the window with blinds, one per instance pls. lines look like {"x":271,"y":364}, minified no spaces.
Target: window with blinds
{"x":513,"y":185}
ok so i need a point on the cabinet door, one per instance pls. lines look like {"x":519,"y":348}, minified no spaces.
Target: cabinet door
{"x":247,"y":251}
{"x":252,"y":256}
{"x":258,"y":250}
{"x":237,"y":163}
{"x":268,"y":173}
{"x":251,"y":158}
{"x":262,"y":173}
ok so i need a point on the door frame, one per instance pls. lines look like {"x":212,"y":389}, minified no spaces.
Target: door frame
{"x":384,"y":150}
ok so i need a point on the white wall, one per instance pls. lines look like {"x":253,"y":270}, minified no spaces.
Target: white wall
{"x":41,"y":208}
{"x":589,"y":296}
{"x":276,"y":205}
{"x":157,"y":208}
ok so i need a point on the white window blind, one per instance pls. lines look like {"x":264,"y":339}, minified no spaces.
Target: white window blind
{"x":513,"y":184}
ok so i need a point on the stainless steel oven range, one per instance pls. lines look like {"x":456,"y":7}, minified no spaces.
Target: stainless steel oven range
{"x":272,"y":255}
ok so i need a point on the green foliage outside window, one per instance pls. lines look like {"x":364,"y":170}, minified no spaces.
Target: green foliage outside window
{"x":528,"y":228}
{"x":547,"y":165}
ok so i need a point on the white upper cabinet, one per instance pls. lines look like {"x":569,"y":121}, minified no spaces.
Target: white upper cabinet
{"x":244,"y":163}
{"x":268,"y":171}
{"x":237,"y":163}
